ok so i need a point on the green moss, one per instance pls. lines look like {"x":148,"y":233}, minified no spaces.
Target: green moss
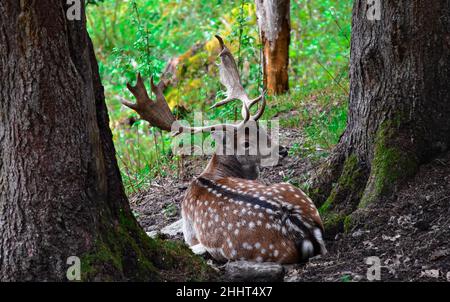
{"x":102,"y":255}
{"x":350,"y":185}
{"x":314,"y":193}
{"x":347,"y":223}
{"x":127,"y":253}
{"x":179,"y":262}
{"x":328,"y":203}
{"x":344,"y":196}
{"x":390,"y":166}
{"x":120,"y":247}
{"x":351,"y":174}
{"x":333,"y":222}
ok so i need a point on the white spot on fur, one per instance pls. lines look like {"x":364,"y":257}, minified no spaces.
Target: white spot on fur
{"x":247,"y":246}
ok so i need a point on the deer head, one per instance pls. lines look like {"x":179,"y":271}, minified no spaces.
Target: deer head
{"x":240,"y":146}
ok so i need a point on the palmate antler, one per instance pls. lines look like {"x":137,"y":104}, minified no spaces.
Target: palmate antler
{"x":158,"y":113}
{"x":229,"y":77}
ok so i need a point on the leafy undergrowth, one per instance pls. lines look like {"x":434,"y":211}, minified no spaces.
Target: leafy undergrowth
{"x":145,"y":153}
{"x":143,"y":35}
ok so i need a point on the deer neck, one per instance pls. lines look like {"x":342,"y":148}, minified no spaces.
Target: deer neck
{"x":222,"y":166}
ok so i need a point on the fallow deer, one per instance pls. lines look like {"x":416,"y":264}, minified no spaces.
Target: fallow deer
{"x":226,"y":209}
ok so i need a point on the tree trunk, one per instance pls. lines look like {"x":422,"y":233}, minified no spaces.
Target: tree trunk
{"x":399,"y":109}
{"x":275,"y":29}
{"x":61,"y":192}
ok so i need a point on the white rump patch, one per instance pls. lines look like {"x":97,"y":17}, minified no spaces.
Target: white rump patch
{"x":318,"y":235}
{"x":307,"y":249}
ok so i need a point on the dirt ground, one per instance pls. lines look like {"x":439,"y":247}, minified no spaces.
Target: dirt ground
{"x":408,"y":234}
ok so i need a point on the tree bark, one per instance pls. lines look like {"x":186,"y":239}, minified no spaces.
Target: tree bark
{"x":399,"y":108}
{"x":275,"y":31}
{"x":61,"y":192}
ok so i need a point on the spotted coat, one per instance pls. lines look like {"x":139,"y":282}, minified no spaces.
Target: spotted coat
{"x":240,"y":219}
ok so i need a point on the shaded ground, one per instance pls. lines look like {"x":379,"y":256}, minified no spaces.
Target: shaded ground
{"x":409,"y":235}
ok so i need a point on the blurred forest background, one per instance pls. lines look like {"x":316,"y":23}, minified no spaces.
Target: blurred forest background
{"x":143,"y":36}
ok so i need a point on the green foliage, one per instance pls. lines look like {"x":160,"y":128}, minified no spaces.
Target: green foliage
{"x":320,"y":42}
{"x":321,"y":113}
{"x":143,"y":35}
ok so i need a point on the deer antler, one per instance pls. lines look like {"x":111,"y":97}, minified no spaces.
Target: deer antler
{"x":157,"y":113}
{"x":229,"y":77}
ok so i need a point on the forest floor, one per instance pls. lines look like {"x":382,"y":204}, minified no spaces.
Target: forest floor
{"x":409,"y":233}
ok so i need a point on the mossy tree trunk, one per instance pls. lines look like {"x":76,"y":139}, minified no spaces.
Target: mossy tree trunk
{"x":275,"y":30}
{"x":399,"y":109}
{"x":61,"y":192}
